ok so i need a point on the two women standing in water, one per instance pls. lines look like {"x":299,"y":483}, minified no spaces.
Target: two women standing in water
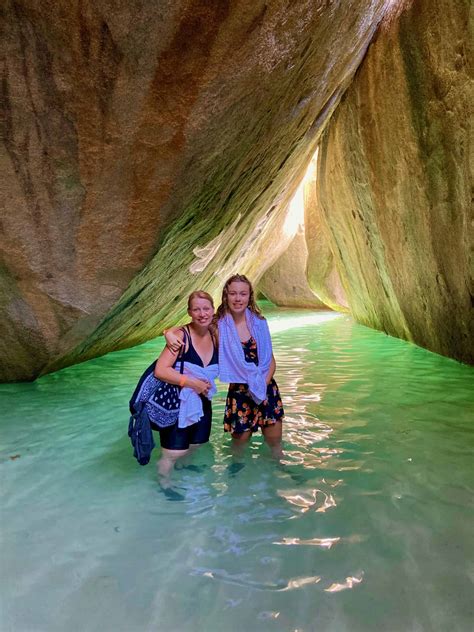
{"x":245,"y":360}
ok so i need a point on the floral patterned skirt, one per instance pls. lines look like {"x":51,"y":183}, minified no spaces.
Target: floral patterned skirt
{"x":242,"y":413}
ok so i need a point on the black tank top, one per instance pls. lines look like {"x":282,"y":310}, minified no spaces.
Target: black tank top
{"x":192,"y":356}
{"x":250,"y":350}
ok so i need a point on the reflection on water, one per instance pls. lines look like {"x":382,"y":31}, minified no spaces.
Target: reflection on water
{"x":365,"y":525}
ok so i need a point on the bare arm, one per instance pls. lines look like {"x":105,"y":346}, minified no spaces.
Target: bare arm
{"x":164,"y":371}
{"x":174,"y":341}
{"x":271,"y":370}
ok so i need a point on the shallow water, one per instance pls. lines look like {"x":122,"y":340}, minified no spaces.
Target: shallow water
{"x":367,"y":525}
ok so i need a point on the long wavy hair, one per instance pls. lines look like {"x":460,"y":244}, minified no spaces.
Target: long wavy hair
{"x":223,"y":308}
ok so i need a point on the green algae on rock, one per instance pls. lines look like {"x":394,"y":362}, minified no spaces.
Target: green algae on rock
{"x":137,"y":135}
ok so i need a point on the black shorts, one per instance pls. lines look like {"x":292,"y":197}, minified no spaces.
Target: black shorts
{"x":174,"y":438}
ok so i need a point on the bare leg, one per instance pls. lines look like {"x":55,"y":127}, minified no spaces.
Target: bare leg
{"x":186,"y":462}
{"x":166,"y":464}
{"x":239,"y":441}
{"x":272,"y":436}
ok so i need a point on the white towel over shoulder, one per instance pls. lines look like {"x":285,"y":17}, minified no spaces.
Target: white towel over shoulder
{"x":190,"y":406}
{"x":232,"y":364}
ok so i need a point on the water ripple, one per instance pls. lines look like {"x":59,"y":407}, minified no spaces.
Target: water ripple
{"x":246,"y":580}
{"x":376,"y":475}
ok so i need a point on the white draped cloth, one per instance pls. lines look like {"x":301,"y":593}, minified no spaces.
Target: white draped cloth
{"x":190,"y":406}
{"x":232,"y":364}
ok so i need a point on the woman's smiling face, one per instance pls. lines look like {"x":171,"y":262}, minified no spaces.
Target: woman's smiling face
{"x":238,"y":296}
{"x":201,"y":312}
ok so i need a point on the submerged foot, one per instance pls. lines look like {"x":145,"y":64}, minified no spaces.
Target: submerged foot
{"x":234,"y":468}
{"x":192,"y":468}
{"x":171,"y":494}
{"x":297,"y":478}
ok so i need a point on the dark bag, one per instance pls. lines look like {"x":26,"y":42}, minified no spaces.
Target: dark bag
{"x":141,"y":436}
{"x":160,"y":399}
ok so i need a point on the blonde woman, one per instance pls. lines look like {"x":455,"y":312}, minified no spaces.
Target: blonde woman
{"x":200,"y":357}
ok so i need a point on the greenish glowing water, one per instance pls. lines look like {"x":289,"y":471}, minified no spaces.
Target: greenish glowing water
{"x":367,"y":525}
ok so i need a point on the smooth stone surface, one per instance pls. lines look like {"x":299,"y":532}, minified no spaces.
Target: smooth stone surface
{"x":140,"y":134}
{"x":297,"y":279}
{"x":285,"y":283}
{"x":321,"y":265}
{"x":395,"y":179}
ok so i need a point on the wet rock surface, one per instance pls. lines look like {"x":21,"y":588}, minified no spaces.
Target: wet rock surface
{"x":285,"y":282}
{"x":321,"y":270}
{"x":305,"y":274}
{"x":395,"y":179}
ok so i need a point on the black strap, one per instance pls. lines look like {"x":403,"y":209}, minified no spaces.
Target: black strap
{"x":183,"y":350}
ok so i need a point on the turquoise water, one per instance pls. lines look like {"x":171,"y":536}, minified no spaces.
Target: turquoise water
{"x":367,"y":525}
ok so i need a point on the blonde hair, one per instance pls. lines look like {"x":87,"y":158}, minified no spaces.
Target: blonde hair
{"x":207,"y":297}
{"x":223,"y":308}
{"x":200,"y":294}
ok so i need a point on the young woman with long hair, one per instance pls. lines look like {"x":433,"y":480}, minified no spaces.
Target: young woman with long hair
{"x":247,"y":362}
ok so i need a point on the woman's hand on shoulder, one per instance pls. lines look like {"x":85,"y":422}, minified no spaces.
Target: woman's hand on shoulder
{"x":174,"y":339}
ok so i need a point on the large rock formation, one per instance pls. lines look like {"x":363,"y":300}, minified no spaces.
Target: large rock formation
{"x":395,"y":180}
{"x":285,"y":282}
{"x":322,"y":273}
{"x":305,"y":274}
{"x":139,"y":134}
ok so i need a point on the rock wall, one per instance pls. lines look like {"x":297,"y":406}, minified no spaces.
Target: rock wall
{"x":149,"y":150}
{"x":321,"y":269}
{"x":285,"y":282}
{"x":305,"y":274}
{"x":395,"y":178}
